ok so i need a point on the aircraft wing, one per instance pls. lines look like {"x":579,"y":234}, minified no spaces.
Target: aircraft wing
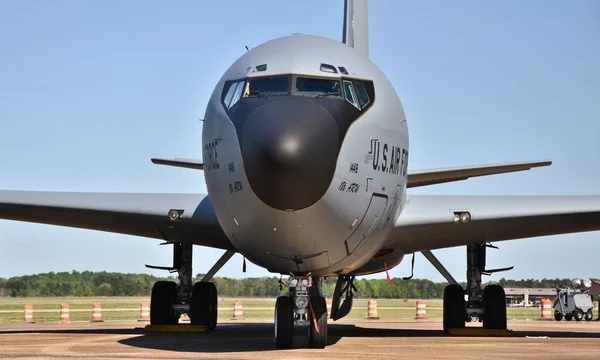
{"x":438,"y":176}
{"x":180,"y":162}
{"x":427,"y":222}
{"x":126,"y":213}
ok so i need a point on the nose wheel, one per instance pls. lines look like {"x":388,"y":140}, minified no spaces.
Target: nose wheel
{"x":317,"y":333}
{"x":305,"y":306}
{"x":284,"y":322}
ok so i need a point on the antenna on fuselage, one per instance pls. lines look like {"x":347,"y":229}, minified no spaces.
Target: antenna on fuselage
{"x":356,"y":30}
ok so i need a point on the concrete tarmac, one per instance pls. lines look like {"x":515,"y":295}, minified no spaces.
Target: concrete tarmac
{"x":366,"y":339}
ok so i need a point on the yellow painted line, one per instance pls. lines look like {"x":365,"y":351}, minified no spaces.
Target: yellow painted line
{"x":175,"y":328}
{"x":472,"y":331}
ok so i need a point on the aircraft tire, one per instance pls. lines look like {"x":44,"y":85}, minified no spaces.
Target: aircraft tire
{"x":454,"y":307}
{"x":568,"y":317}
{"x":204,"y":307}
{"x":558,"y":316}
{"x":161,"y":303}
{"x":284,"y":322}
{"x":494,"y":302}
{"x":318,"y":340}
{"x":589,"y":315}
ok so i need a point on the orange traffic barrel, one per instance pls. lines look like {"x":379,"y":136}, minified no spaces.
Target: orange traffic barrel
{"x":372,"y":310}
{"x":238,"y":311}
{"x":421,"y":309}
{"x":144,"y":312}
{"x":97,"y":312}
{"x":329,"y":302}
{"x":546,"y":309}
{"x":64,"y":314}
{"x":29,"y":314}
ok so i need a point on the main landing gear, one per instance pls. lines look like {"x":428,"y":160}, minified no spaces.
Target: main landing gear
{"x":472,"y":304}
{"x":170,"y":300}
{"x":304,"y":306}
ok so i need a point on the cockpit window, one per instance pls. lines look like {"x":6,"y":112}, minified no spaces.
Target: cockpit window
{"x":267,"y":86}
{"x":357,"y":92}
{"x":361,"y":94}
{"x":229,"y":95}
{"x":237,"y":93}
{"x":328,"y":68}
{"x":349,"y":93}
{"x":317,"y":87}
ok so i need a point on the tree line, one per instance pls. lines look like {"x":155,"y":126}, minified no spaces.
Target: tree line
{"x":89,"y":283}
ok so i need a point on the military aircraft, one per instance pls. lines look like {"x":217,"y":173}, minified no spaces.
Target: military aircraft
{"x":305,"y":156}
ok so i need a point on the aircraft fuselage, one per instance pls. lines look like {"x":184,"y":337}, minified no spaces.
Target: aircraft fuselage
{"x":305,"y":147}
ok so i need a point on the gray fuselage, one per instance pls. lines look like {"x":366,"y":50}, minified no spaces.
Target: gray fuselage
{"x":305,"y":147}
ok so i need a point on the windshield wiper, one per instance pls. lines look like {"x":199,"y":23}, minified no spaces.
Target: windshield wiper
{"x":257,"y":93}
{"x":327,"y":94}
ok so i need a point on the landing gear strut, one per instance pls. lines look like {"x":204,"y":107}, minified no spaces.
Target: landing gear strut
{"x":170,"y":300}
{"x":486,"y":305}
{"x":304,"y":306}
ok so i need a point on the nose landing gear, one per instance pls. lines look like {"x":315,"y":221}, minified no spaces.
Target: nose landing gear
{"x":304,"y":306}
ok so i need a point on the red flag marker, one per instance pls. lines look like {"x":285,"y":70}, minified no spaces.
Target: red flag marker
{"x":387,"y":274}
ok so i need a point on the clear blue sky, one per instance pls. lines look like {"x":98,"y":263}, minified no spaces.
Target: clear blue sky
{"x":89,"y":91}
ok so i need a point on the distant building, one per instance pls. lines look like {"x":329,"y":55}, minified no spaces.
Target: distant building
{"x":527,"y":297}
{"x":595,"y":289}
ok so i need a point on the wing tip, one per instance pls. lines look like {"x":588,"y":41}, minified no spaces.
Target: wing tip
{"x":541,"y":163}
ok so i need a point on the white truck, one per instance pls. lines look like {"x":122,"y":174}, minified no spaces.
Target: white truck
{"x":574,"y":303}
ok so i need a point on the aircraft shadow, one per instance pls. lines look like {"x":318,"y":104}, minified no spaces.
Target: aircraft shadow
{"x":246,"y":337}
{"x":259,"y":336}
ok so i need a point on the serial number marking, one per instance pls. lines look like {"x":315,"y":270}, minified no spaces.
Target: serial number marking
{"x":235,"y":187}
{"x":352,"y":188}
{"x":211,"y":161}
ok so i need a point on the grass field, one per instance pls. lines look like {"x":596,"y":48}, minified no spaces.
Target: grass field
{"x":46,"y":310}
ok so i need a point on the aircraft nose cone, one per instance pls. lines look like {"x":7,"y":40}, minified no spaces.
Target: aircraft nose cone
{"x":290,"y":149}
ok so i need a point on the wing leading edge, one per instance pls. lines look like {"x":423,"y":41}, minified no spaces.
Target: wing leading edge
{"x":427,"y":222}
{"x":439,"y":176}
{"x":126,"y":213}
{"x":180,"y":162}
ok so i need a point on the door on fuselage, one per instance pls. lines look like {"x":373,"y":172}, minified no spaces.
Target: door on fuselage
{"x":371,"y":223}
